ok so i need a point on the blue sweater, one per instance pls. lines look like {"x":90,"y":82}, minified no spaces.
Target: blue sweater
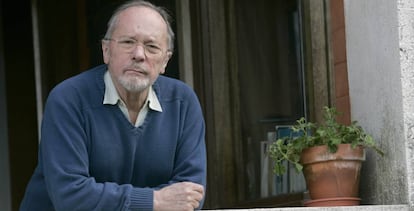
{"x":92,"y":158}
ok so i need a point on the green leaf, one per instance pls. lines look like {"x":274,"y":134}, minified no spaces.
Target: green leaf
{"x":298,"y":167}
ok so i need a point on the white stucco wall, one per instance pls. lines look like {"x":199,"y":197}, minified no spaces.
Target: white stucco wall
{"x":379,"y":92}
{"x":406,"y":32}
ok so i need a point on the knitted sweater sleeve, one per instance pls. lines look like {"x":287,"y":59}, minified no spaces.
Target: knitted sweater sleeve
{"x":190,"y":162}
{"x":64,"y":160}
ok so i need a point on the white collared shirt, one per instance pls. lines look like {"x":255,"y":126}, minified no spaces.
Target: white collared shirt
{"x":112,"y":97}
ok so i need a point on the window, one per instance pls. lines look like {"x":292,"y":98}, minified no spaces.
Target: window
{"x":271,"y":86}
{"x":251,"y":62}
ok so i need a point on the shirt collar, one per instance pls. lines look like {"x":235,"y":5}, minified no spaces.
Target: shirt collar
{"x":153,"y":101}
{"x":111,"y":96}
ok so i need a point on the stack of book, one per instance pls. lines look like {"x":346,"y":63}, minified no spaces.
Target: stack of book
{"x":272,"y":184}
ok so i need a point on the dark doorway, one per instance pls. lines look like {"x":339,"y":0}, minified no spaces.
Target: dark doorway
{"x":18,"y":98}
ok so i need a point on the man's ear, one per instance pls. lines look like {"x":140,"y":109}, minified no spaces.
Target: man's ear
{"x":165,"y":62}
{"x":105,"y":51}
{"x":167,"y":58}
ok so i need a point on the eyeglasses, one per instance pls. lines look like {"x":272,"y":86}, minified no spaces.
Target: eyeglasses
{"x":129,"y":45}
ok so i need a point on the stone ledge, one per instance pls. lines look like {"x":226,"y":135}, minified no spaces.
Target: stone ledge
{"x":343,"y":208}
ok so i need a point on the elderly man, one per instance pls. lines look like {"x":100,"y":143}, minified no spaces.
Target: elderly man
{"x":120,"y":136}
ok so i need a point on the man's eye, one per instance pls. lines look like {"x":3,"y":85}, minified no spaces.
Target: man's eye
{"x":153,"y":47}
{"x":130,"y":42}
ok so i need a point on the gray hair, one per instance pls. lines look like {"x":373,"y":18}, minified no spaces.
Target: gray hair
{"x":141,"y":3}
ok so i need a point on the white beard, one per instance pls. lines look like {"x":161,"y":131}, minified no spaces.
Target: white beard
{"x":134,"y":84}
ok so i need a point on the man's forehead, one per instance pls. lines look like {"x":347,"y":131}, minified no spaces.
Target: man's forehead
{"x":142,"y":16}
{"x":143,"y":12}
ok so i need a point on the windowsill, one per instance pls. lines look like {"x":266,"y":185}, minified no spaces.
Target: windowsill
{"x":343,"y":208}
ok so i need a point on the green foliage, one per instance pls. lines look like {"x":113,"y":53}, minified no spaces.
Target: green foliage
{"x":330,"y":133}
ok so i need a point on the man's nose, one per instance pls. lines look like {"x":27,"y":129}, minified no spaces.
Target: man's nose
{"x":139,"y":52}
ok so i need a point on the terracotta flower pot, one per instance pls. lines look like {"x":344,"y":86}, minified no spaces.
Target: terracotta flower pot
{"x":333,"y":175}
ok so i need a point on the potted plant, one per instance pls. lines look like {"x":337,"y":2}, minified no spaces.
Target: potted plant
{"x":329,"y":155}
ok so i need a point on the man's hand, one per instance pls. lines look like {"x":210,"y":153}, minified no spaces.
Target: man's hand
{"x":178,"y":196}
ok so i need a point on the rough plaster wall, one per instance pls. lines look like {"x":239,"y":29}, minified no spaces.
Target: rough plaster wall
{"x":406,"y":31}
{"x":376,"y":96}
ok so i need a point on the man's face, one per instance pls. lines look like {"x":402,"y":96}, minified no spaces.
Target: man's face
{"x":137,"y":52}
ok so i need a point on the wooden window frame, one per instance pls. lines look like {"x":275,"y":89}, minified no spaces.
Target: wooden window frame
{"x":212,"y":72}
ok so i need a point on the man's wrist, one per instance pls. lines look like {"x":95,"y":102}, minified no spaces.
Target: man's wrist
{"x":156,"y":200}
